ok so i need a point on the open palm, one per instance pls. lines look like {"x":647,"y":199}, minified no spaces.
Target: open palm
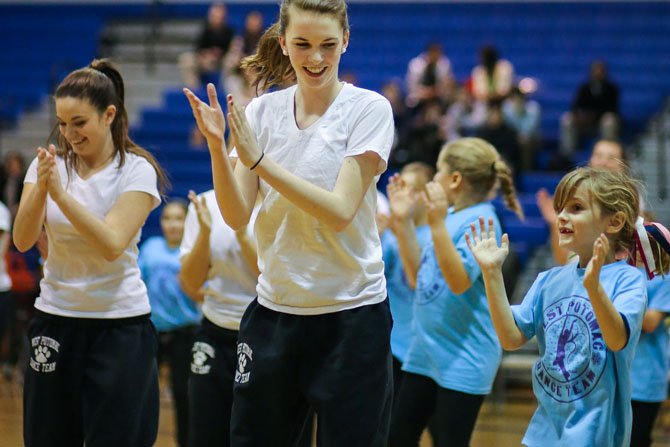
{"x":592,"y":274}
{"x":401,"y":198}
{"x":208,"y":117}
{"x":484,"y":246}
{"x":436,"y":202}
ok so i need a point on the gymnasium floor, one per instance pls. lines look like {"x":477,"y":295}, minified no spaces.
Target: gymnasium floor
{"x":500,"y":424}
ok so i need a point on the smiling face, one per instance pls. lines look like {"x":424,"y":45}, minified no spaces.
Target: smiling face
{"x":314,"y":43}
{"x":84,"y":128}
{"x":608,"y":155}
{"x":172,"y":223}
{"x":580,"y":222}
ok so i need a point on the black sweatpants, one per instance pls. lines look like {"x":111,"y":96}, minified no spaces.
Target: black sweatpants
{"x":644,"y":416}
{"x":175,"y":349}
{"x":420,"y":398}
{"x":92,"y":381}
{"x":337,"y":364}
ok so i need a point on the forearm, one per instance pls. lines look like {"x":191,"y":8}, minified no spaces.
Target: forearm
{"x":448,"y":259}
{"x":249,"y":254}
{"x":94,"y":230}
{"x":328,"y":207}
{"x":195,"y":265}
{"x":30,"y":218}
{"x":409,"y":250}
{"x":609,"y":319}
{"x":509,"y":334}
{"x":234,"y":207}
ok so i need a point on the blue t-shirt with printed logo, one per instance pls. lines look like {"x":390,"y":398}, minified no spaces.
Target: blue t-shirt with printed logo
{"x":453,"y":341}
{"x":401,"y":296}
{"x":171,"y":308}
{"x":582,"y":387}
{"x":649,"y":373}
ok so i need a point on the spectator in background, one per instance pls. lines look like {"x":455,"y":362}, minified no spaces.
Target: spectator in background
{"x":523,"y":115}
{"x":428,"y":76}
{"x":501,"y":136}
{"x":492,"y":78}
{"x":206,"y":63}
{"x":464,"y":117}
{"x":595,"y":109}
{"x":253,"y":30}
{"x":5,"y":280}
{"x":392,"y":90}
{"x":11,"y":181}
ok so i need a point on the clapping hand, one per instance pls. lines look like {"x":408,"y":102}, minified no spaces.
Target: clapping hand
{"x":208,"y":117}
{"x":484,"y":246}
{"x":401,"y":198}
{"x":601,"y":248}
{"x":437,"y":204}
{"x":204,"y":216}
{"x":243,"y":139}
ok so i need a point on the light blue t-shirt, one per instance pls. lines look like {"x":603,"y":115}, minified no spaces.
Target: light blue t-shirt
{"x":171,"y":308}
{"x":454,"y":342}
{"x":649,"y":373}
{"x":401,"y":296}
{"x":583,"y":388}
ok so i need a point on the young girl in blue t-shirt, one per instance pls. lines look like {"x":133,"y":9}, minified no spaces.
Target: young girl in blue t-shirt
{"x":587,"y":316}
{"x":453,"y":355}
{"x":649,"y":373}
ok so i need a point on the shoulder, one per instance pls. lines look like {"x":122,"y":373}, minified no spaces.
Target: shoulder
{"x":134,"y":161}
{"x":358,"y":102}
{"x":271,"y":99}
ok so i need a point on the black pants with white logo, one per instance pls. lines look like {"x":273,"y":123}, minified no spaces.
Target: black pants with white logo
{"x":337,"y":364}
{"x":210,"y":385}
{"x":92,"y":381}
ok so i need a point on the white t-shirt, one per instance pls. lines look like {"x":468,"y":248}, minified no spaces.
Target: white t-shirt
{"x":306,"y":267}
{"x":78,"y":281}
{"x":231,"y":285}
{"x":6,"y":226}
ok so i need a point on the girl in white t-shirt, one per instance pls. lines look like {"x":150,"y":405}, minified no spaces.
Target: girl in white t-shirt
{"x":92,"y":376}
{"x":318,"y":334}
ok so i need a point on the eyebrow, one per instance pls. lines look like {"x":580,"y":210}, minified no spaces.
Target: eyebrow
{"x":73,"y":118}
{"x":306,"y":40}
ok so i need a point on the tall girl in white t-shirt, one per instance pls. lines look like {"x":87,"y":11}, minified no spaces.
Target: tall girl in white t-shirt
{"x":318,"y":334}
{"x":92,"y":376}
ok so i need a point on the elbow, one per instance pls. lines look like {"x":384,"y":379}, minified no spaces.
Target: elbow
{"x":112,"y":255}
{"x":21,"y":243}
{"x":509,"y":344}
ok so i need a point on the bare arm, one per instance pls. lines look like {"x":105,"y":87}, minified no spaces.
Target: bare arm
{"x":235,"y":187}
{"x":448,"y":259}
{"x":403,"y":202}
{"x":248,"y":248}
{"x":652,"y":318}
{"x":609,"y":319}
{"x":335,"y":208}
{"x":196,"y":263}
{"x":32,"y":207}
{"x":490,"y":258}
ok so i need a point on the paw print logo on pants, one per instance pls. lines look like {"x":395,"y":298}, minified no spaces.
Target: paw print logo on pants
{"x":241,"y":363}
{"x":244,"y":358}
{"x":202,"y":352}
{"x":42,"y":354}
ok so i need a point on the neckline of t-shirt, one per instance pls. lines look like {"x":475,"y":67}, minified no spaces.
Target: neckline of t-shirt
{"x":315,"y":124}
{"x":105,"y":168}
{"x":607,"y":266}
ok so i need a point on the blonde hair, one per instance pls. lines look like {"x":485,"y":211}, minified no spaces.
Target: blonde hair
{"x":421,"y":168}
{"x":269,"y":66}
{"x":480,"y":165}
{"x":612,"y":191}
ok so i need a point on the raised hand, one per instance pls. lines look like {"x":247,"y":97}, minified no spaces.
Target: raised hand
{"x":54,"y":185}
{"x":204,"y":216}
{"x":484,"y":246}
{"x":43,"y":169}
{"x":241,"y":135}
{"x":208,"y":117}
{"x":601,"y":248}
{"x":401,"y":198}
{"x":546,"y":205}
{"x":437,"y":204}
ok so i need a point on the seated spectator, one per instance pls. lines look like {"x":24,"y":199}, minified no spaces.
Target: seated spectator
{"x":244,"y":44}
{"x":11,"y":180}
{"x":523,"y":115}
{"x":464,"y":117}
{"x":492,"y":78}
{"x":501,"y":136}
{"x":392,"y":91}
{"x":428,"y":76}
{"x":595,"y":109}
{"x":206,"y":63}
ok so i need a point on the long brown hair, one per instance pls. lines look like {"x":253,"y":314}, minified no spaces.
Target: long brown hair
{"x":101,"y":85}
{"x":269,"y":66}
